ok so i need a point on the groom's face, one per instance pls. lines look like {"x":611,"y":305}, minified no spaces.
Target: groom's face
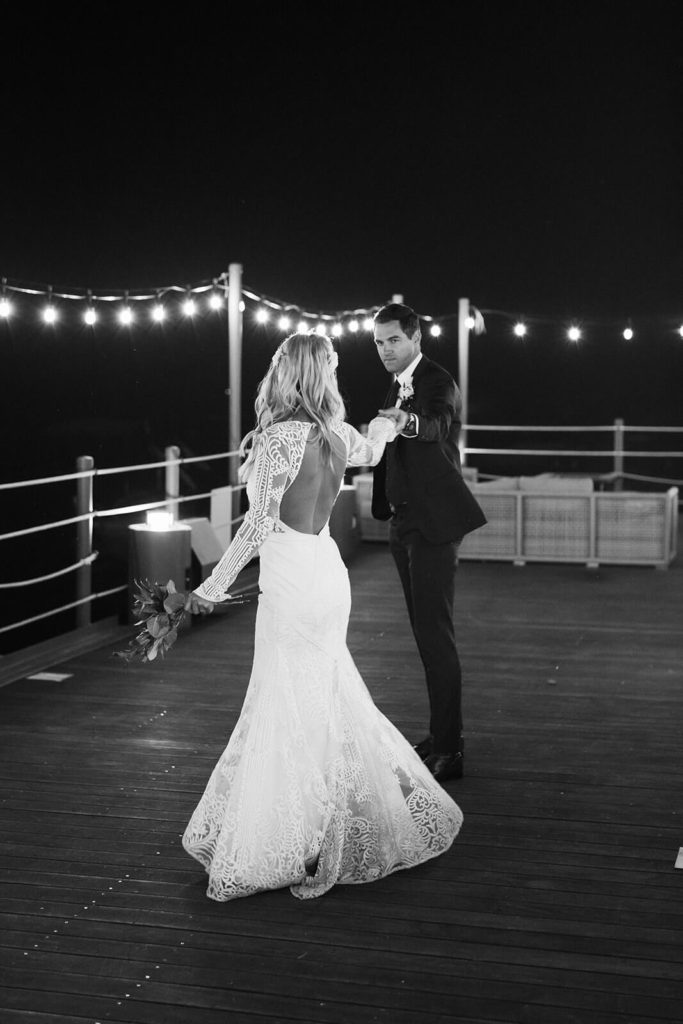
{"x":396,"y":349}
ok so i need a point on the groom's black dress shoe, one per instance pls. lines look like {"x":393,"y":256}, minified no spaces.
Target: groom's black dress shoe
{"x":445,"y":766}
{"x":424,"y":748}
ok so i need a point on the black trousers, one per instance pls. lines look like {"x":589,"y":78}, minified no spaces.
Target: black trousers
{"x":427,"y":573}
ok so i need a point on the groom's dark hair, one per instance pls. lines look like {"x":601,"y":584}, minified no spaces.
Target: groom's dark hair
{"x":408,"y":319}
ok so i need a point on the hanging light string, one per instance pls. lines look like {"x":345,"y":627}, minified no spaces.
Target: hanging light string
{"x":285,"y":316}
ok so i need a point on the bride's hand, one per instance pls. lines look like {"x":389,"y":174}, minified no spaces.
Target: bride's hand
{"x":399,"y":417}
{"x":382,"y":428}
{"x":197,"y":605}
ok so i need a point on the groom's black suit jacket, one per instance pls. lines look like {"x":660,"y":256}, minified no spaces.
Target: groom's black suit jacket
{"x":424,"y":472}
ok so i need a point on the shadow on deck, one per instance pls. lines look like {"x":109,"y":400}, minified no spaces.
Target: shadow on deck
{"x":559,"y":902}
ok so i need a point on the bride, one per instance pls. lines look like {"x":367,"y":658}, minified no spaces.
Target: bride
{"x":315,"y":787}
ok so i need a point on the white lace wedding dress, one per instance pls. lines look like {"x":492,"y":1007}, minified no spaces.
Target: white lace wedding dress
{"x":315,"y":787}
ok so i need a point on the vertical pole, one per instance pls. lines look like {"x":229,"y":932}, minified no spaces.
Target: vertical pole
{"x":463,"y":370}
{"x":172,"y":473}
{"x":235,"y":362}
{"x":84,"y":505}
{"x":235,"y":378}
{"x":618,"y":454}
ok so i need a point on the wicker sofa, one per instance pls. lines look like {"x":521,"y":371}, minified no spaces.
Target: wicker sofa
{"x":558,"y":518}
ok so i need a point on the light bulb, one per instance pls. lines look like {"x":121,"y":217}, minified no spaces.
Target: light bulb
{"x":189,"y":307}
{"x":353,"y":326}
{"x":435,"y":330}
{"x":627,"y":333}
{"x":50,"y":315}
{"x":215,"y":301}
{"x":126,"y":316}
{"x":283,"y":323}
{"x":574,"y":334}
{"x":302,"y":327}
{"x":90,"y":317}
{"x":160,"y":520}
{"x":158,"y":313}
{"x":5,"y":307}
{"x":261,"y":316}
{"x":519,"y":330}
{"x":469,"y":322}
{"x":368,"y":323}
{"x":337,"y":330}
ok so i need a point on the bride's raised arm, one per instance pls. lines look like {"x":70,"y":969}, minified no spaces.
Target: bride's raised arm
{"x":367,"y":451}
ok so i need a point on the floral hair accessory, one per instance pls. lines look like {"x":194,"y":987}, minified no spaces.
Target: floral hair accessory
{"x":277,"y":356}
{"x":333,"y":360}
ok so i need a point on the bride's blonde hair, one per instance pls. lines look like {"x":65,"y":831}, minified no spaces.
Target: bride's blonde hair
{"x":302,"y":376}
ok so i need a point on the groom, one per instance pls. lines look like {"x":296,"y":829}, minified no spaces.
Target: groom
{"x":419,"y":486}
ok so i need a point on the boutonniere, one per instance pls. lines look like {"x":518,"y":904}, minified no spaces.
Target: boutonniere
{"x":405,"y":390}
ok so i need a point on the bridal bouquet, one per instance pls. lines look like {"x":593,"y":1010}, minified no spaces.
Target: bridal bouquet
{"x":161,"y":610}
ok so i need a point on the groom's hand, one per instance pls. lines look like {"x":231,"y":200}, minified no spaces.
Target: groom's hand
{"x":399,"y":416}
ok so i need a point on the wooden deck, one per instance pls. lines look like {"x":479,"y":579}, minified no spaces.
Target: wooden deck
{"x":559,"y":902}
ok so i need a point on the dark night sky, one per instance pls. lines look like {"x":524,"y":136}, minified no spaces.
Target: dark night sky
{"x":524,"y":155}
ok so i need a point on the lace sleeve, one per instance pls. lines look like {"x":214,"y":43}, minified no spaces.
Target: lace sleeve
{"x":271,"y":473}
{"x":367,"y":451}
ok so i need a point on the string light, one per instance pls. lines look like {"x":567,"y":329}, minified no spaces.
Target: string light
{"x":212,"y":296}
{"x":680,"y":331}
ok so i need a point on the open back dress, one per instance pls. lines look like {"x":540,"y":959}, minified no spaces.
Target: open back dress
{"x":316,"y":786}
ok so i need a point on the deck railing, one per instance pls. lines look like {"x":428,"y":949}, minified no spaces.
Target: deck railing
{"x":86,"y":473}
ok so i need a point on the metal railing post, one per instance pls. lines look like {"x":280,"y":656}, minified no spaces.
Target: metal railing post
{"x":84,"y":505}
{"x":235,"y":380}
{"x":172,"y":476}
{"x":463,"y":372}
{"x":618,"y":454}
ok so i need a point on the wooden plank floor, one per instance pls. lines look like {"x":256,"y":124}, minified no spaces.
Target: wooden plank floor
{"x":559,"y":901}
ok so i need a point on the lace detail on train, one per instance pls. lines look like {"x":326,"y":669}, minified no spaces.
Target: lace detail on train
{"x":316,"y":786}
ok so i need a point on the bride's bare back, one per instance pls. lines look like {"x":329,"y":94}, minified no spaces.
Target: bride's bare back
{"x":308,"y":501}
